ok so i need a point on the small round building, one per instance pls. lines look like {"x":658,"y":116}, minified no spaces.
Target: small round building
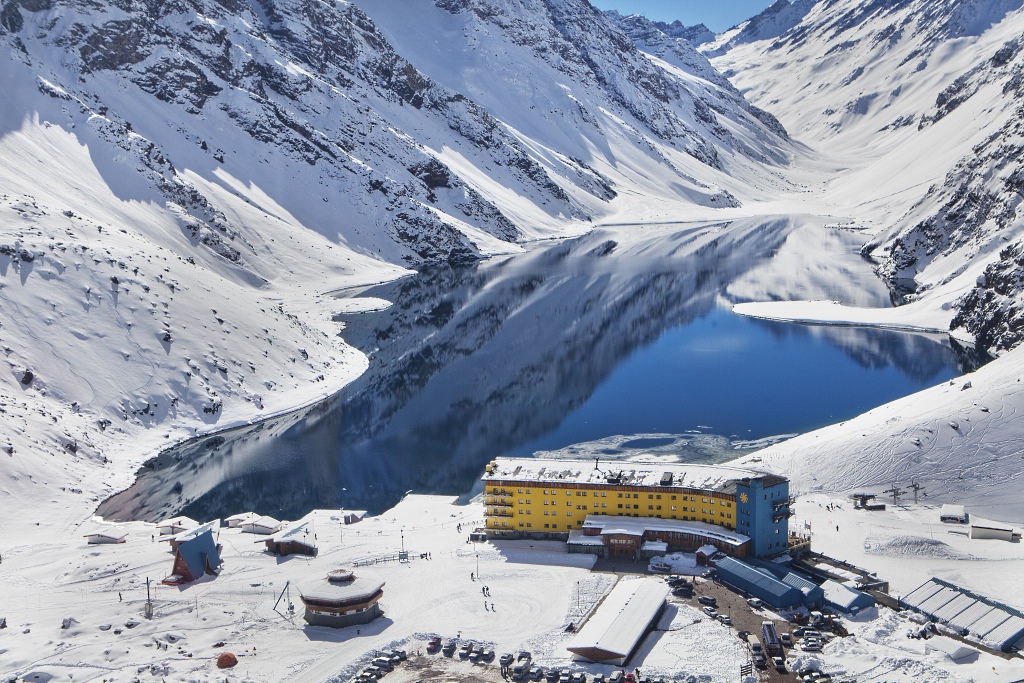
{"x":342,"y":599}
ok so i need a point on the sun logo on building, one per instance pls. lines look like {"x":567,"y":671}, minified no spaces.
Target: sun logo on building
{"x":744,"y":498}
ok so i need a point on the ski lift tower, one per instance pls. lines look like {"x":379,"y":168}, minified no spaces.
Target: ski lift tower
{"x":916,"y":487}
{"x":896,"y":492}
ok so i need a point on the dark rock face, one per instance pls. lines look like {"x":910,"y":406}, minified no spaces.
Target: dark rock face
{"x":994,"y":310}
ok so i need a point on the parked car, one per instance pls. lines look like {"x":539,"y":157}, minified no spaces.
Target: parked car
{"x":780,"y":664}
{"x":708,"y":600}
{"x":434,"y":645}
{"x":474,"y":656}
{"x":630,"y":678}
{"x":383,"y":663}
{"x":617,"y":676}
{"x":449,"y":648}
{"x":578,"y":677}
{"x":487,"y":655}
{"x":552,"y":676}
{"x":524,"y":656}
{"x":536,"y":673}
{"x":759,"y":661}
{"x":711,"y":612}
{"x":520,"y":671}
{"x":598,"y":678}
{"x":725,"y":619}
{"x":786,"y":639}
{"x":506,"y":659}
{"x":465,"y":650}
{"x":755,"y":603}
{"x":401,"y":654}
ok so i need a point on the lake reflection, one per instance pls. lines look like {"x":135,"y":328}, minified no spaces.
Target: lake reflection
{"x":617,"y":332}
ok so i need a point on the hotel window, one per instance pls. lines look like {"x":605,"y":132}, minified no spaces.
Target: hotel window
{"x":545,"y":502}
{"x":604,"y":494}
{"x":569,"y":513}
{"x":604,"y":505}
{"x":529,"y":525}
{"x":659,"y":496}
{"x":545,"y":513}
{"x":546,"y":526}
{"x":527,"y":501}
{"x":673,"y":507}
{"x":629,"y":506}
{"x":520,"y":490}
{"x":659,"y":507}
{"x":650,"y":507}
{"x":620,"y":495}
{"x":650,"y":496}
{"x":673,"y":497}
{"x":620,"y":506}
{"x":521,"y":525}
{"x":527,"y":490}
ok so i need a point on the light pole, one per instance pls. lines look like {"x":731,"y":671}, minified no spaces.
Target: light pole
{"x":478,"y":564}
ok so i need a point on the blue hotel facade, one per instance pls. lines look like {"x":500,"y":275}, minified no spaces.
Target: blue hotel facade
{"x":763,"y":509}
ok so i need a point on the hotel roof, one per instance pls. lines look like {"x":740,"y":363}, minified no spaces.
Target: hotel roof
{"x":617,"y":472}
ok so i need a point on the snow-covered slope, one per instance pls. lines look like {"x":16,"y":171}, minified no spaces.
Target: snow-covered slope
{"x":179,"y":182}
{"x":916,"y":105}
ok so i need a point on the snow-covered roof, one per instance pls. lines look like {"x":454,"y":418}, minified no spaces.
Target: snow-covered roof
{"x":577,"y":537}
{"x":838,"y":571}
{"x":655,"y":546}
{"x":996,"y":625}
{"x":701,"y":477}
{"x":363,"y":585}
{"x":954,"y":607}
{"x":954,"y":649}
{"x":108,"y":535}
{"x":969,"y":616}
{"x":950,"y":510}
{"x":241,"y":518}
{"x":621,"y":620}
{"x":844,"y":597}
{"x":181,"y":522}
{"x":708,"y":550}
{"x":296,"y":532}
{"x":267,"y":525}
{"x":212,"y":526}
{"x":917,"y":596}
{"x":637,"y":526}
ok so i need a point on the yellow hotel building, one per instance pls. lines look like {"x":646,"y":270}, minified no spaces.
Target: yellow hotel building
{"x":561,"y":499}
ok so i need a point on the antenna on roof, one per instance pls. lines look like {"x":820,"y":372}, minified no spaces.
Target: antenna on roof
{"x":597,"y":461}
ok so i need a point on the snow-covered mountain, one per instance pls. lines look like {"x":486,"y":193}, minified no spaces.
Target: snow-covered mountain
{"x":179,"y":183}
{"x":916,"y":104}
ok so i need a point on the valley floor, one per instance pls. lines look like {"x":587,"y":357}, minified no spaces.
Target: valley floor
{"x":536,"y":589}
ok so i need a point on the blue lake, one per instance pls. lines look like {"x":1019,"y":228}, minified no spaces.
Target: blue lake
{"x":625,"y":331}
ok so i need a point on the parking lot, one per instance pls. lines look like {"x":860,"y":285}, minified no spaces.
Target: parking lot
{"x":744,"y":618}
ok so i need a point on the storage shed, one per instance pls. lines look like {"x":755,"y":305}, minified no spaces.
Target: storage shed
{"x":953,"y":514}
{"x":844,"y":598}
{"x":758,"y":583}
{"x":175,"y":525}
{"x":106,"y":537}
{"x":813,"y":595}
{"x":619,"y":625}
{"x":297,"y":538}
{"x":261,"y":525}
{"x":992,"y":531}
